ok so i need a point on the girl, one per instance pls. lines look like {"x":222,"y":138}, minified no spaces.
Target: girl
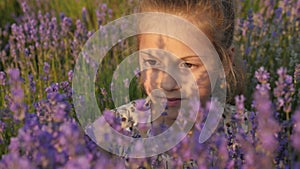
{"x":216,"y":19}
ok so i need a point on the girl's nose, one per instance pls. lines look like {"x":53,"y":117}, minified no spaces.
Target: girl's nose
{"x":168,"y":83}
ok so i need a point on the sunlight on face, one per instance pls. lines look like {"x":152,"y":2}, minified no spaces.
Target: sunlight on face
{"x":168,"y":65}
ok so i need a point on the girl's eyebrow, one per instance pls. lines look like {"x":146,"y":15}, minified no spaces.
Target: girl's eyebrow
{"x":191,"y":57}
{"x":149,"y":54}
{"x":183,"y":58}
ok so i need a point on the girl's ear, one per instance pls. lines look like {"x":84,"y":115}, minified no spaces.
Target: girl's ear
{"x":231,"y":51}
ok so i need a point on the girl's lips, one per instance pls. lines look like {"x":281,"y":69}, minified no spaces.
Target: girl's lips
{"x":173,"y":99}
{"x":173,"y":102}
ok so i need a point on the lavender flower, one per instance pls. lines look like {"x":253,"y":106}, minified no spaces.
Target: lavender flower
{"x":2,"y":128}
{"x":250,"y":24}
{"x":81,"y":162}
{"x":239,"y":102}
{"x":284,"y":90}
{"x":278,"y":13}
{"x":14,"y":75}
{"x":110,"y":12}
{"x":62,"y":16}
{"x":126,"y":83}
{"x":53,"y":88}
{"x":65,"y":24}
{"x":267,"y":125}
{"x":70,"y":75}
{"x":46,"y":68}
{"x":16,"y":105}
{"x":262,"y":75}
{"x":2,"y":78}
{"x":84,"y":13}
{"x":79,"y":30}
{"x":296,"y":131}
{"x":32,"y":83}
{"x":137,"y":72}
{"x":297,"y":74}
{"x":12,"y":161}
{"x":25,"y":7}
{"x":103,"y":7}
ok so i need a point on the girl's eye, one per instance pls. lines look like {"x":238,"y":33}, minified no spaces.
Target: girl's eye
{"x":188,"y":65}
{"x":150,"y":62}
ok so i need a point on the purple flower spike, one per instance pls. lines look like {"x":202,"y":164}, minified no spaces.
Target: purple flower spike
{"x":284,"y":90}
{"x":140,"y":105}
{"x":297,"y":72}
{"x":296,"y":131}
{"x":104,"y":7}
{"x":84,"y":12}
{"x":16,"y":104}
{"x":2,"y":126}
{"x":14,"y":74}
{"x":25,"y":7}
{"x":46,"y":68}
{"x":262,"y":75}
{"x":13,"y":160}
{"x":70,"y":75}
{"x":278,"y":12}
{"x":126,"y":83}
{"x":239,"y":102}
{"x":267,"y":125}
{"x":32,"y":83}
{"x":137,"y":72}
{"x":2,"y":78}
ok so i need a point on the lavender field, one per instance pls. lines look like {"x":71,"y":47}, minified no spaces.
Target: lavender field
{"x":41,"y":40}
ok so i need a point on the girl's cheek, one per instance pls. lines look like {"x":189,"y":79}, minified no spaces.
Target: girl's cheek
{"x":148,"y":80}
{"x":204,"y":86}
{"x":152,"y":78}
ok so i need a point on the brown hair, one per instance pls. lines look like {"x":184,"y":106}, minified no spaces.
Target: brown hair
{"x":216,"y":18}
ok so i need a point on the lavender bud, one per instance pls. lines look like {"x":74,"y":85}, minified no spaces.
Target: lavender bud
{"x":262,"y":75}
{"x":84,"y":12}
{"x":62,"y":16}
{"x":14,"y":74}
{"x":104,"y":7}
{"x":239,"y":103}
{"x":46,"y":68}
{"x":32,"y":83}
{"x":2,"y":78}
{"x":70,"y":75}
{"x":126,"y":82}
{"x":25,"y":7}
{"x":296,"y":131}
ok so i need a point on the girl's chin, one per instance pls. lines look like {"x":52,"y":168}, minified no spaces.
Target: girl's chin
{"x":168,"y":120}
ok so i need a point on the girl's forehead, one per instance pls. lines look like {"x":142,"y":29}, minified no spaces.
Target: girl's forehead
{"x":162,"y":42}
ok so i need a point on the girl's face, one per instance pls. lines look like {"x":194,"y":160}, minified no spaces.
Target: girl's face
{"x":166,"y":66}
